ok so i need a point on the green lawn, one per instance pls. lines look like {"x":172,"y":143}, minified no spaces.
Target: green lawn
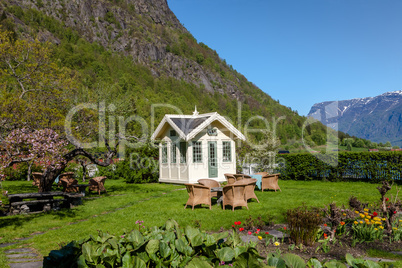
{"x":124,"y":204}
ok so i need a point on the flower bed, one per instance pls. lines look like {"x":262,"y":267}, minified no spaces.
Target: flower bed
{"x":333,"y":232}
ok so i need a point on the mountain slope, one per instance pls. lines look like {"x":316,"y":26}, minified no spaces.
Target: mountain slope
{"x":136,"y":53}
{"x":375,"y":118}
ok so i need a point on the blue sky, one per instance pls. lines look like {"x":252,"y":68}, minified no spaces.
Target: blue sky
{"x":301,"y":52}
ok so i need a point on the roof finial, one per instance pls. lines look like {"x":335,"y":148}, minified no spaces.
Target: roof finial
{"x":195,"y":113}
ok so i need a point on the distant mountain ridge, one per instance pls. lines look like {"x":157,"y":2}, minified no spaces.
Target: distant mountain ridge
{"x":378,"y":119}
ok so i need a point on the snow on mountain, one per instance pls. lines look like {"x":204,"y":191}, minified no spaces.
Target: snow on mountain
{"x":378,"y":119}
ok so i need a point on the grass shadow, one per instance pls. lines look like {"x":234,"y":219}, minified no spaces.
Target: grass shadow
{"x":19,"y":220}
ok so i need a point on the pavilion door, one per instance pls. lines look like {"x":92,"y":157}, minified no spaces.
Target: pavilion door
{"x":212,"y":160}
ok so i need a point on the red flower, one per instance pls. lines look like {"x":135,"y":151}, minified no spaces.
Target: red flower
{"x":249,"y":232}
{"x":258,"y":230}
{"x":266,"y":232}
{"x":395,"y":212}
{"x":387,"y":199}
{"x":241,"y":229}
{"x":239,"y":222}
{"x":325,"y":235}
{"x":232,"y":225}
{"x":375,"y":213}
{"x":325,"y":224}
{"x":284,"y":228}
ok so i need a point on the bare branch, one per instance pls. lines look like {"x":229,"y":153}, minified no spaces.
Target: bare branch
{"x":21,"y":160}
{"x":80,"y":151}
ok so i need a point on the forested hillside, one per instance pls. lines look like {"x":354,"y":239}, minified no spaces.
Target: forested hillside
{"x":131,"y":55}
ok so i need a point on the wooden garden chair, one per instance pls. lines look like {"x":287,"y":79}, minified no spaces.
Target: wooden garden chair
{"x":241,"y":176}
{"x":211,"y":184}
{"x":269,"y":181}
{"x":230,"y":178}
{"x":36,"y":176}
{"x":67,"y":184}
{"x":69,"y":176}
{"x":197,"y":195}
{"x":97,"y":184}
{"x":250,"y":187}
{"x":234,"y":195}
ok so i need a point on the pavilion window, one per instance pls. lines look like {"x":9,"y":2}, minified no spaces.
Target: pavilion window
{"x":173,"y":155}
{"x":164,"y":153}
{"x":183,"y":152}
{"x":197,"y":152}
{"x":226,"y":150}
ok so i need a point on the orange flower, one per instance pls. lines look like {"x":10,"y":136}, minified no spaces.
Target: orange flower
{"x":342,"y":223}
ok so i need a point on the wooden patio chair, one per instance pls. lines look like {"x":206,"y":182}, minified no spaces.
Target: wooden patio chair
{"x":67,"y":184}
{"x":97,"y":184}
{"x":269,"y":181}
{"x":36,"y":176}
{"x":234,"y":195}
{"x":211,"y":184}
{"x":230,"y":178}
{"x":67,"y":175}
{"x":250,"y":187}
{"x":197,"y":195}
{"x":241,"y":176}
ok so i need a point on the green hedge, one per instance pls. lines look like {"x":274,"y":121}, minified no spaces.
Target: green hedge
{"x":344,"y":166}
{"x":141,"y":165}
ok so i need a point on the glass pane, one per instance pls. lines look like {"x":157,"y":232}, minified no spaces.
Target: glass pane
{"x":183,"y":152}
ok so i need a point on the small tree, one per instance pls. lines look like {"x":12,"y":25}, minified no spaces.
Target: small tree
{"x":266,"y":150}
{"x":33,"y":88}
{"x":349,"y":146}
{"x":47,"y":149}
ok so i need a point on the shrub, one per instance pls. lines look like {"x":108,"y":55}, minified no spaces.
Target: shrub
{"x":19,"y":172}
{"x":141,"y":166}
{"x":303,"y":224}
{"x":258,"y":222}
{"x":131,"y":173}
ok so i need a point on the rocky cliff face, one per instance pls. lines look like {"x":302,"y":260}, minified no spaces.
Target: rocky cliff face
{"x":375,"y":118}
{"x":142,"y":29}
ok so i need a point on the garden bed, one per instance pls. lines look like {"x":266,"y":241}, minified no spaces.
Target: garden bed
{"x":337,"y":251}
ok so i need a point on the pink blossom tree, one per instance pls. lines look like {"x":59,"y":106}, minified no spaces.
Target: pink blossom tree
{"x":47,"y":149}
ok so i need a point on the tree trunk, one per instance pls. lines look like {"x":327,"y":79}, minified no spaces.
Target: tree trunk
{"x":29,"y":171}
{"x":84,"y":172}
{"x":48,"y":178}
